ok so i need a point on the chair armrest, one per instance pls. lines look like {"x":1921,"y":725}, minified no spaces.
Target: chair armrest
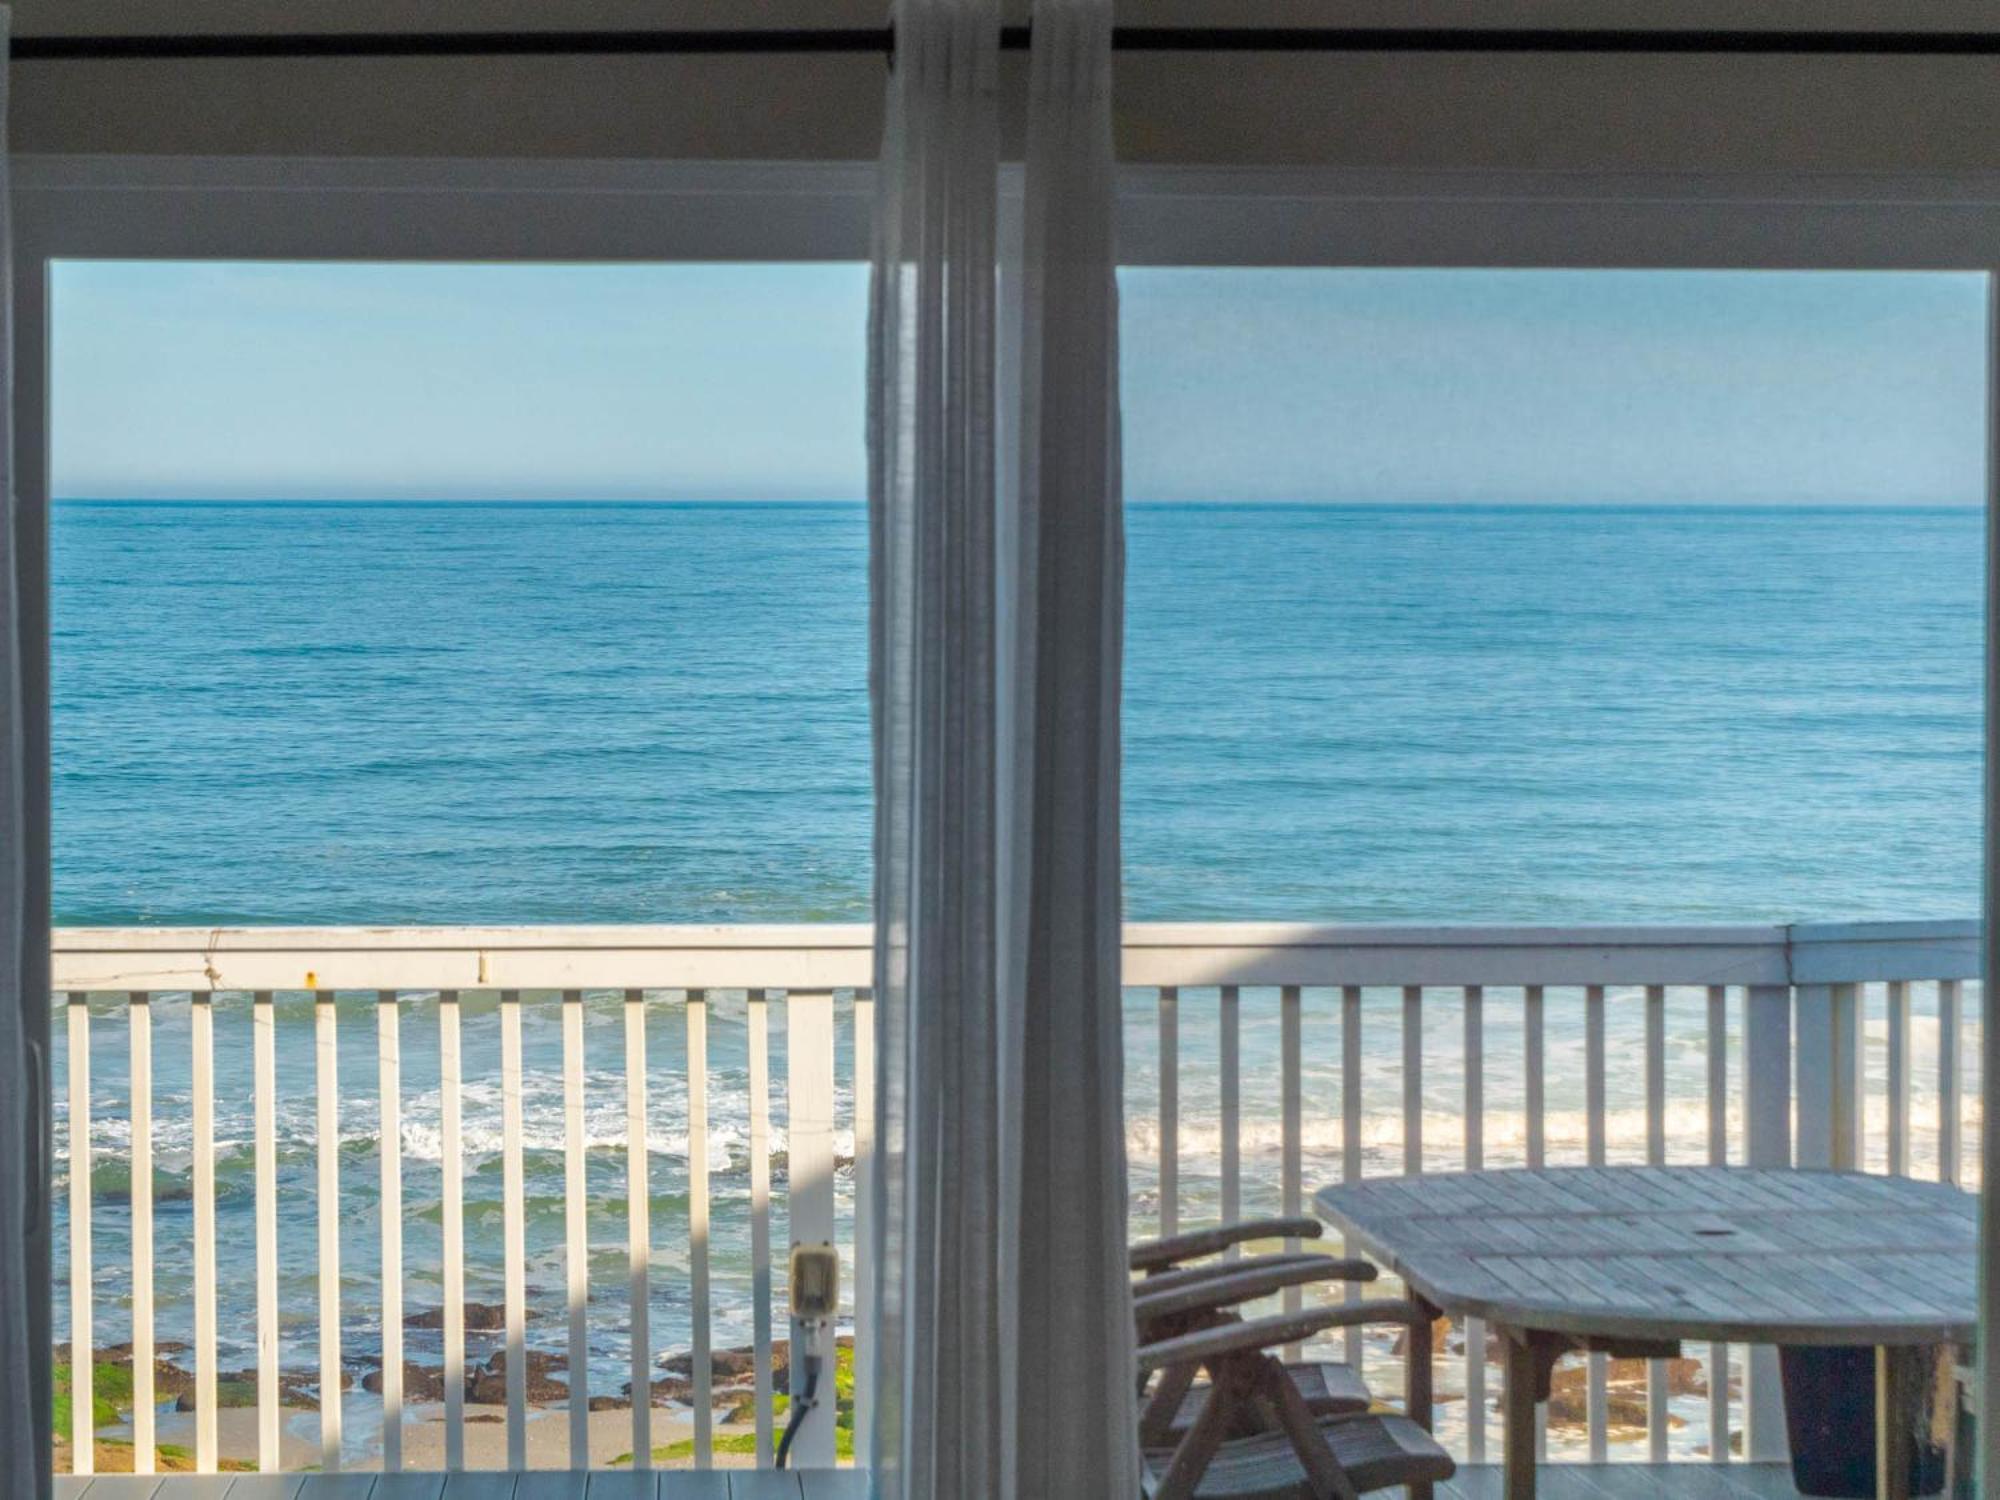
{"x":1153,"y":1255}
{"x":1212,"y":1270}
{"x":1269,"y":1333}
{"x":1244,"y":1282}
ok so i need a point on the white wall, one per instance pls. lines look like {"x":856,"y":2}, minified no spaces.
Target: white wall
{"x":1612,"y":113}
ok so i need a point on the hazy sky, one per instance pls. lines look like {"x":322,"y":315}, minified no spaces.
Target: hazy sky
{"x":697,"y":382}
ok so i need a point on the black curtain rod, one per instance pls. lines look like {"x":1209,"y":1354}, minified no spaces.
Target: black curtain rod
{"x":881,"y":41}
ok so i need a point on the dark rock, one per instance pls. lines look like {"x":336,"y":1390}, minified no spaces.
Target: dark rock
{"x":610,"y":1403}
{"x":121,"y":1354}
{"x":228,"y":1393}
{"x":668,"y":1388}
{"x":423,"y":1383}
{"x":730,"y":1366}
{"x":487,"y":1385}
{"x":301,"y":1387}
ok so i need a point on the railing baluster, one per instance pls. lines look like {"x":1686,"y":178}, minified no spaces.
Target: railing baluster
{"x":1597,"y":1400}
{"x":327,"y":1148}
{"x":514,"y":1230}
{"x":864,"y":1168}
{"x":139,"y":1014}
{"x":1767,"y":1142}
{"x":1899,"y":1077}
{"x":1534,"y":1054}
{"x":1475,"y":1158}
{"x":201,"y":1080}
{"x":389,"y":1092}
{"x":82,"y":1346}
{"x":809,"y":1061}
{"x":263,"y":1039}
{"x":1535,"y":1085}
{"x":1718,"y":1155}
{"x":638,"y":1229}
{"x":1350,"y":1133}
{"x":758,"y":1011}
{"x":1291,"y":1109}
{"x":1832,"y":1103}
{"x":1413,"y":1079}
{"x":1950,"y":1085}
{"x":1656,"y":1155}
{"x":451,"y":1190}
{"x":698,"y":1290}
{"x":576,"y":1238}
{"x":1170,"y":1111}
{"x":1229,"y":1013}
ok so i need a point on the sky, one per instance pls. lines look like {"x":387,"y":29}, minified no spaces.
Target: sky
{"x":395,"y":381}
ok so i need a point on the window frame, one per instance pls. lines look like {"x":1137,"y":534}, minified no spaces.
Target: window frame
{"x":274,"y":208}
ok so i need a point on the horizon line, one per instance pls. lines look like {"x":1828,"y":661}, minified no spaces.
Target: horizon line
{"x":493,"y":502}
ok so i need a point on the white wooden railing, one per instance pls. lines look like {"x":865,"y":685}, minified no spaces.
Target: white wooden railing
{"x":1356,"y":1013}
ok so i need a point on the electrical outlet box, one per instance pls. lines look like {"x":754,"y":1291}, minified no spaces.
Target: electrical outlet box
{"x":815,"y":1282}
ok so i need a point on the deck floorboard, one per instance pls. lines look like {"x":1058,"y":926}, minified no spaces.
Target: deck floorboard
{"x":1694,"y":1481}
{"x":1558,"y":1482}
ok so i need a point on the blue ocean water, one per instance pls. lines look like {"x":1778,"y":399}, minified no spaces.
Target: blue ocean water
{"x":325,"y":713}
{"x":518,"y":713}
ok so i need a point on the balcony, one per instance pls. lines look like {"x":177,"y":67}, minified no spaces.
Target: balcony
{"x":364,"y":1199}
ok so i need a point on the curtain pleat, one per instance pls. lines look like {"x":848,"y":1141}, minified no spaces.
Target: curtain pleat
{"x":25,"y":1406}
{"x":936,"y":1182}
{"x":1002,"y":1361}
{"x":1072,"y":1338}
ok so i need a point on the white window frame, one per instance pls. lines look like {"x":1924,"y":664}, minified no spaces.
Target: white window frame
{"x":264,"y":208}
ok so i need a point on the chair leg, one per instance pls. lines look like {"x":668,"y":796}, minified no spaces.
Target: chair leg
{"x":1197,"y":1450}
{"x":1418,"y":1391}
{"x":1323,"y":1471}
{"x":1156,"y":1422}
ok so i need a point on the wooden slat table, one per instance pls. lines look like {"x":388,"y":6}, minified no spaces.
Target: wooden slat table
{"x":1631,"y":1260}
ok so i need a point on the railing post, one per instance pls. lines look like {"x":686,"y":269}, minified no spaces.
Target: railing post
{"x":1170,"y":1111}
{"x":327,"y":1156}
{"x":263,"y":1037}
{"x":757,"y":1017}
{"x":1767,"y":1112}
{"x":1829,"y":1076}
{"x":389,"y":1091}
{"x":809,"y":1135}
{"x":139,"y":1015}
{"x":864,"y":1247}
{"x":82,"y":1281}
{"x":700,"y":1356}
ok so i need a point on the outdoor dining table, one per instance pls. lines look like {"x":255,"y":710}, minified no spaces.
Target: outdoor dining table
{"x":1629,"y":1261}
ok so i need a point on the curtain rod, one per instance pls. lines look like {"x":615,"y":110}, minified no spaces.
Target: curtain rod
{"x":881,"y":41}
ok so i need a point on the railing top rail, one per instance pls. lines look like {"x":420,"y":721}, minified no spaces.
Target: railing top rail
{"x":830,"y":955}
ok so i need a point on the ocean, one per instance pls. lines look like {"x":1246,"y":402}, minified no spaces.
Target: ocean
{"x":483,"y":713}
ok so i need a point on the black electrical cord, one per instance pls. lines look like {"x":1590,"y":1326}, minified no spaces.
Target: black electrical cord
{"x":802,"y":1405}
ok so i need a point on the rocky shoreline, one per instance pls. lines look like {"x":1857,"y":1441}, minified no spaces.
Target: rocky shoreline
{"x":733,"y":1374}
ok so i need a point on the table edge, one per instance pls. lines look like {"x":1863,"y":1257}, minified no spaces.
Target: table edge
{"x":1639,"y":1323}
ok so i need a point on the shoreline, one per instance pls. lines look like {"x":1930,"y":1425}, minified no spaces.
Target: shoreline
{"x":609,"y":1420}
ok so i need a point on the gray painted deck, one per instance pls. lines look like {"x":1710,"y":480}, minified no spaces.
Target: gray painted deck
{"x":1696,"y":1481}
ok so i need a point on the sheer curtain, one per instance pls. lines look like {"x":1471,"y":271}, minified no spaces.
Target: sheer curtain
{"x":1002,"y":1364}
{"x":24,"y":990}
{"x":1072,"y":1324}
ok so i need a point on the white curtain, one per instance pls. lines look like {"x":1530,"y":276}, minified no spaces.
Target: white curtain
{"x":1071,"y":1333}
{"x":24,"y":980}
{"x":1002,"y":1365}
